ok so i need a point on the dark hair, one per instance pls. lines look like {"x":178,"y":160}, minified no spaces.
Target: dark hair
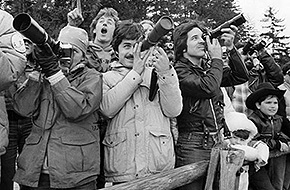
{"x":127,"y":30}
{"x":180,"y":36}
{"x":108,"y":12}
{"x":242,"y":133}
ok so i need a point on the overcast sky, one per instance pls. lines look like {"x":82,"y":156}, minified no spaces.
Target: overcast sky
{"x":254,"y":11}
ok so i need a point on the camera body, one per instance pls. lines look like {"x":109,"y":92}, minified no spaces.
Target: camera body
{"x":251,"y":46}
{"x":236,"y":21}
{"x":65,"y":52}
{"x":163,"y":26}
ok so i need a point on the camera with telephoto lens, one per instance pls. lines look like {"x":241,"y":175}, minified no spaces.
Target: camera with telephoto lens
{"x":163,"y":26}
{"x":29,"y":28}
{"x":236,"y":21}
{"x":251,"y":46}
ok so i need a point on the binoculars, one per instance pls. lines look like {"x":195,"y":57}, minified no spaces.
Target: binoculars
{"x":162,"y":27}
{"x":236,"y":21}
{"x":251,"y":46}
{"x":29,"y":28}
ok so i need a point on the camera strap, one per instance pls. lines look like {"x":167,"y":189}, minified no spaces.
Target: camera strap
{"x":153,"y":85}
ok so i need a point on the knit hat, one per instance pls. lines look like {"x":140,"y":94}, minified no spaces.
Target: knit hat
{"x":263,"y":89}
{"x":236,"y":121}
{"x":74,"y":36}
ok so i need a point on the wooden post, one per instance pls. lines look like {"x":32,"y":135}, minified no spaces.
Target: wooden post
{"x":230,"y":162}
{"x":212,"y":168}
{"x":166,"y":180}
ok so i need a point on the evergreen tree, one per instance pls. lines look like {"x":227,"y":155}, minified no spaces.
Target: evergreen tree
{"x":274,"y":27}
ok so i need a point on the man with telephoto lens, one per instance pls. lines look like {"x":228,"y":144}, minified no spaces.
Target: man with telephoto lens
{"x":200,"y":80}
{"x":138,"y":141}
{"x":13,"y":62}
{"x":62,"y":151}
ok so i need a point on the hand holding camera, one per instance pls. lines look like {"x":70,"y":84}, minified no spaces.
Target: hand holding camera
{"x":251,"y":47}
{"x":214,"y":48}
{"x":161,"y":62}
{"x":228,"y":36}
{"x":139,"y":63}
{"x":47,"y":60}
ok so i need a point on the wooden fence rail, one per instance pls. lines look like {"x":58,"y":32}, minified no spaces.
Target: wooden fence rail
{"x":174,"y":178}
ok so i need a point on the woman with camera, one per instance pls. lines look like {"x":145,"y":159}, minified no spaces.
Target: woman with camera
{"x":62,"y":151}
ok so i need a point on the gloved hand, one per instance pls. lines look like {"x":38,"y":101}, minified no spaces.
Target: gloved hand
{"x":47,"y":60}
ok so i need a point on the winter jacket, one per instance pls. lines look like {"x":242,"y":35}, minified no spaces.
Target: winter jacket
{"x":202,"y":97}
{"x":270,"y":130}
{"x":138,"y":141}
{"x":13,"y":61}
{"x":64,"y":129}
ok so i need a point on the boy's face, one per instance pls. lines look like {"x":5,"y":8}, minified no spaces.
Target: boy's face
{"x":125,"y":50}
{"x":269,"y":106}
{"x":237,"y":140}
{"x":195,"y":43}
{"x":104,"y":29}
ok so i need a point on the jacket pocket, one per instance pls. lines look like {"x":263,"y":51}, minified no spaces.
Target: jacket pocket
{"x":81,"y":152}
{"x":161,"y":151}
{"x":27,"y":157}
{"x":115,"y":152}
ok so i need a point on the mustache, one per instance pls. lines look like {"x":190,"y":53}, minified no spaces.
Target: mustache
{"x":130,"y":56}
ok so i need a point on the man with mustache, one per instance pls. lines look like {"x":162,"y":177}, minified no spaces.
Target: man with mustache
{"x":200,"y":80}
{"x":138,"y":141}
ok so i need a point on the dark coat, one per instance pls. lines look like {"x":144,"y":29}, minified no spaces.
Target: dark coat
{"x":202,"y":96}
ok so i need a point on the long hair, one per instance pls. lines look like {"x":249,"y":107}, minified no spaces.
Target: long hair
{"x":180,"y":36}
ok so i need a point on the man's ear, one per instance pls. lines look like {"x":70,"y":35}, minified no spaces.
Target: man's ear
{"x":258,"y":105}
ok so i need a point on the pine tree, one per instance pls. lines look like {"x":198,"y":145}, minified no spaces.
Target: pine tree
{"x":274,"y":28}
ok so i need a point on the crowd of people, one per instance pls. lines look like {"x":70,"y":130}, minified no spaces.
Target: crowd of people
{"x":97,"y":117}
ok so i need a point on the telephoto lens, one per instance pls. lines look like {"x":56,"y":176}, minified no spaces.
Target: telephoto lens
{"x":29,"y":28}
{"x":163,"y":26}
{"x":236,"y":21}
